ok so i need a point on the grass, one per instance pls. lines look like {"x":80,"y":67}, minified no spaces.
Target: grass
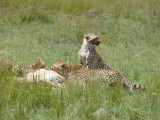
{"x":53,"y":30}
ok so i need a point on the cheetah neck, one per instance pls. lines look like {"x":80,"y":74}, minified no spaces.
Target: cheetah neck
{"x":87,"y":46}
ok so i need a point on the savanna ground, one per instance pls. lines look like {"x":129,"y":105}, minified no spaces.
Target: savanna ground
{"x":53,"y":30}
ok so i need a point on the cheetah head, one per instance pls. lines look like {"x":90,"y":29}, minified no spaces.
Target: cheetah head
{"x":17,"y":70}
{"x":63,"y":68}
{"x":92,"y":38}
{"x":38,"y":64}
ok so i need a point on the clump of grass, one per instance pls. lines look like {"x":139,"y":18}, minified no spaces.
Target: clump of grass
{"x":145,"y":11}
{"x":35,"y":15}
{"x":5,"y":3}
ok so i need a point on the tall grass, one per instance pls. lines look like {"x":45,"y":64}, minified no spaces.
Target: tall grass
{"x":140,"y":10}
{"x":53,"y":30}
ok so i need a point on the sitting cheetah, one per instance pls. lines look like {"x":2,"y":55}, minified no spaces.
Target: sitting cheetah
{"x":71,"y":72}
{"x":88,"y":55}
{"x":22,"y":71}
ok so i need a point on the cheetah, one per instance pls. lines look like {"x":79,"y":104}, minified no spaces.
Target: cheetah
{"x":71,"y":72}
{"x":22,"y":71}
{"x":38,"y":64}
{"x":88,"y":55}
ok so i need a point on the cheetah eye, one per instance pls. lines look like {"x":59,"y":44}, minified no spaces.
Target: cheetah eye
{"x":95,"y":38}
{"x":87,"y":37}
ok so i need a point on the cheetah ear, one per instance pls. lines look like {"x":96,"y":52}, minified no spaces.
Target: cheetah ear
{"x":64,"y":66}
{"x":39,"y":58}
{"x":32,"y":66}
{"x":86,"y":36}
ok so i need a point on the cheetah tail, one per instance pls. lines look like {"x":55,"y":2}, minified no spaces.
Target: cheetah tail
{"x":137,"y":86}
{"x":131,"y":86}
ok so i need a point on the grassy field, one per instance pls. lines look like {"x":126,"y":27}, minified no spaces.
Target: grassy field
{"x":53,"y":30}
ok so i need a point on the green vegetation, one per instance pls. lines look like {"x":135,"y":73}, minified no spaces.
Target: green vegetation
{"x":53,"y":30}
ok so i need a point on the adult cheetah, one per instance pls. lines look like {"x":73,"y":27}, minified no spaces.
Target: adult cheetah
{"x":88,"y":55}
{"x":71,"y":72}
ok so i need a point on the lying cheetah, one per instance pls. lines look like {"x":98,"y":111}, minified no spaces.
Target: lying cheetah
{"x":22,"y":71}
{"x":71,"y":72}
{"x":48,"y":76}
{"x":88,"y":55}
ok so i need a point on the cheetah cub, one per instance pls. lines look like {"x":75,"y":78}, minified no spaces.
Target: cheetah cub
{"x":88,"y":55}
{"x":22,"y":71}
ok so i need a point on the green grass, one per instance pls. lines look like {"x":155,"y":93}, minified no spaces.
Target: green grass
{"x":53,"y":30}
